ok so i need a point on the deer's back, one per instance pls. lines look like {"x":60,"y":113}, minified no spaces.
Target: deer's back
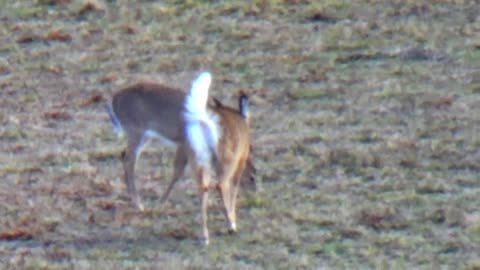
{"x":153,"y":107}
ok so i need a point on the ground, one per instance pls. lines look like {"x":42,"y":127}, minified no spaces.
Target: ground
{"x":365,"y":132}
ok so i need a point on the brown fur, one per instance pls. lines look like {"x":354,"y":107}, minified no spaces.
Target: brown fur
{"x":233,"y":151}
{"x":150,"y":106}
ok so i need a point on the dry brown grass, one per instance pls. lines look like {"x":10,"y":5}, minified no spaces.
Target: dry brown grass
{"x":365,"y":130}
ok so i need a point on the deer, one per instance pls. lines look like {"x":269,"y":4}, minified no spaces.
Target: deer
{"x":150,"y":110}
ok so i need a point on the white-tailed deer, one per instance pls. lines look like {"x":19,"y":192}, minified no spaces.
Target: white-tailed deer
{"x":148,"y":110}
{"x":218,"y":144}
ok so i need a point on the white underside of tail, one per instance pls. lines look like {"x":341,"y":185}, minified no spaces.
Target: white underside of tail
{"x":201,"y":128}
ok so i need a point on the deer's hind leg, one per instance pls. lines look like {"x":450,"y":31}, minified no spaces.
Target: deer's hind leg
{"x":181,"y":160}
{"x":237,"y":177}
{"x":136,"y":140}
{"x":203,"y":180}
{"x":226,"y":187}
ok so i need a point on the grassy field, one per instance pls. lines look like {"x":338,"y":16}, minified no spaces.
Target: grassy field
{"x":366,"y":122}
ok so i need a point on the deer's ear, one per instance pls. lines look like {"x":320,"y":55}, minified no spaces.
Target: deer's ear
{"x":243,"y":104}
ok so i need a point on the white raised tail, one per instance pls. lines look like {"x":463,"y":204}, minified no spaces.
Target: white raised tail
{"x":201,"y":128}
